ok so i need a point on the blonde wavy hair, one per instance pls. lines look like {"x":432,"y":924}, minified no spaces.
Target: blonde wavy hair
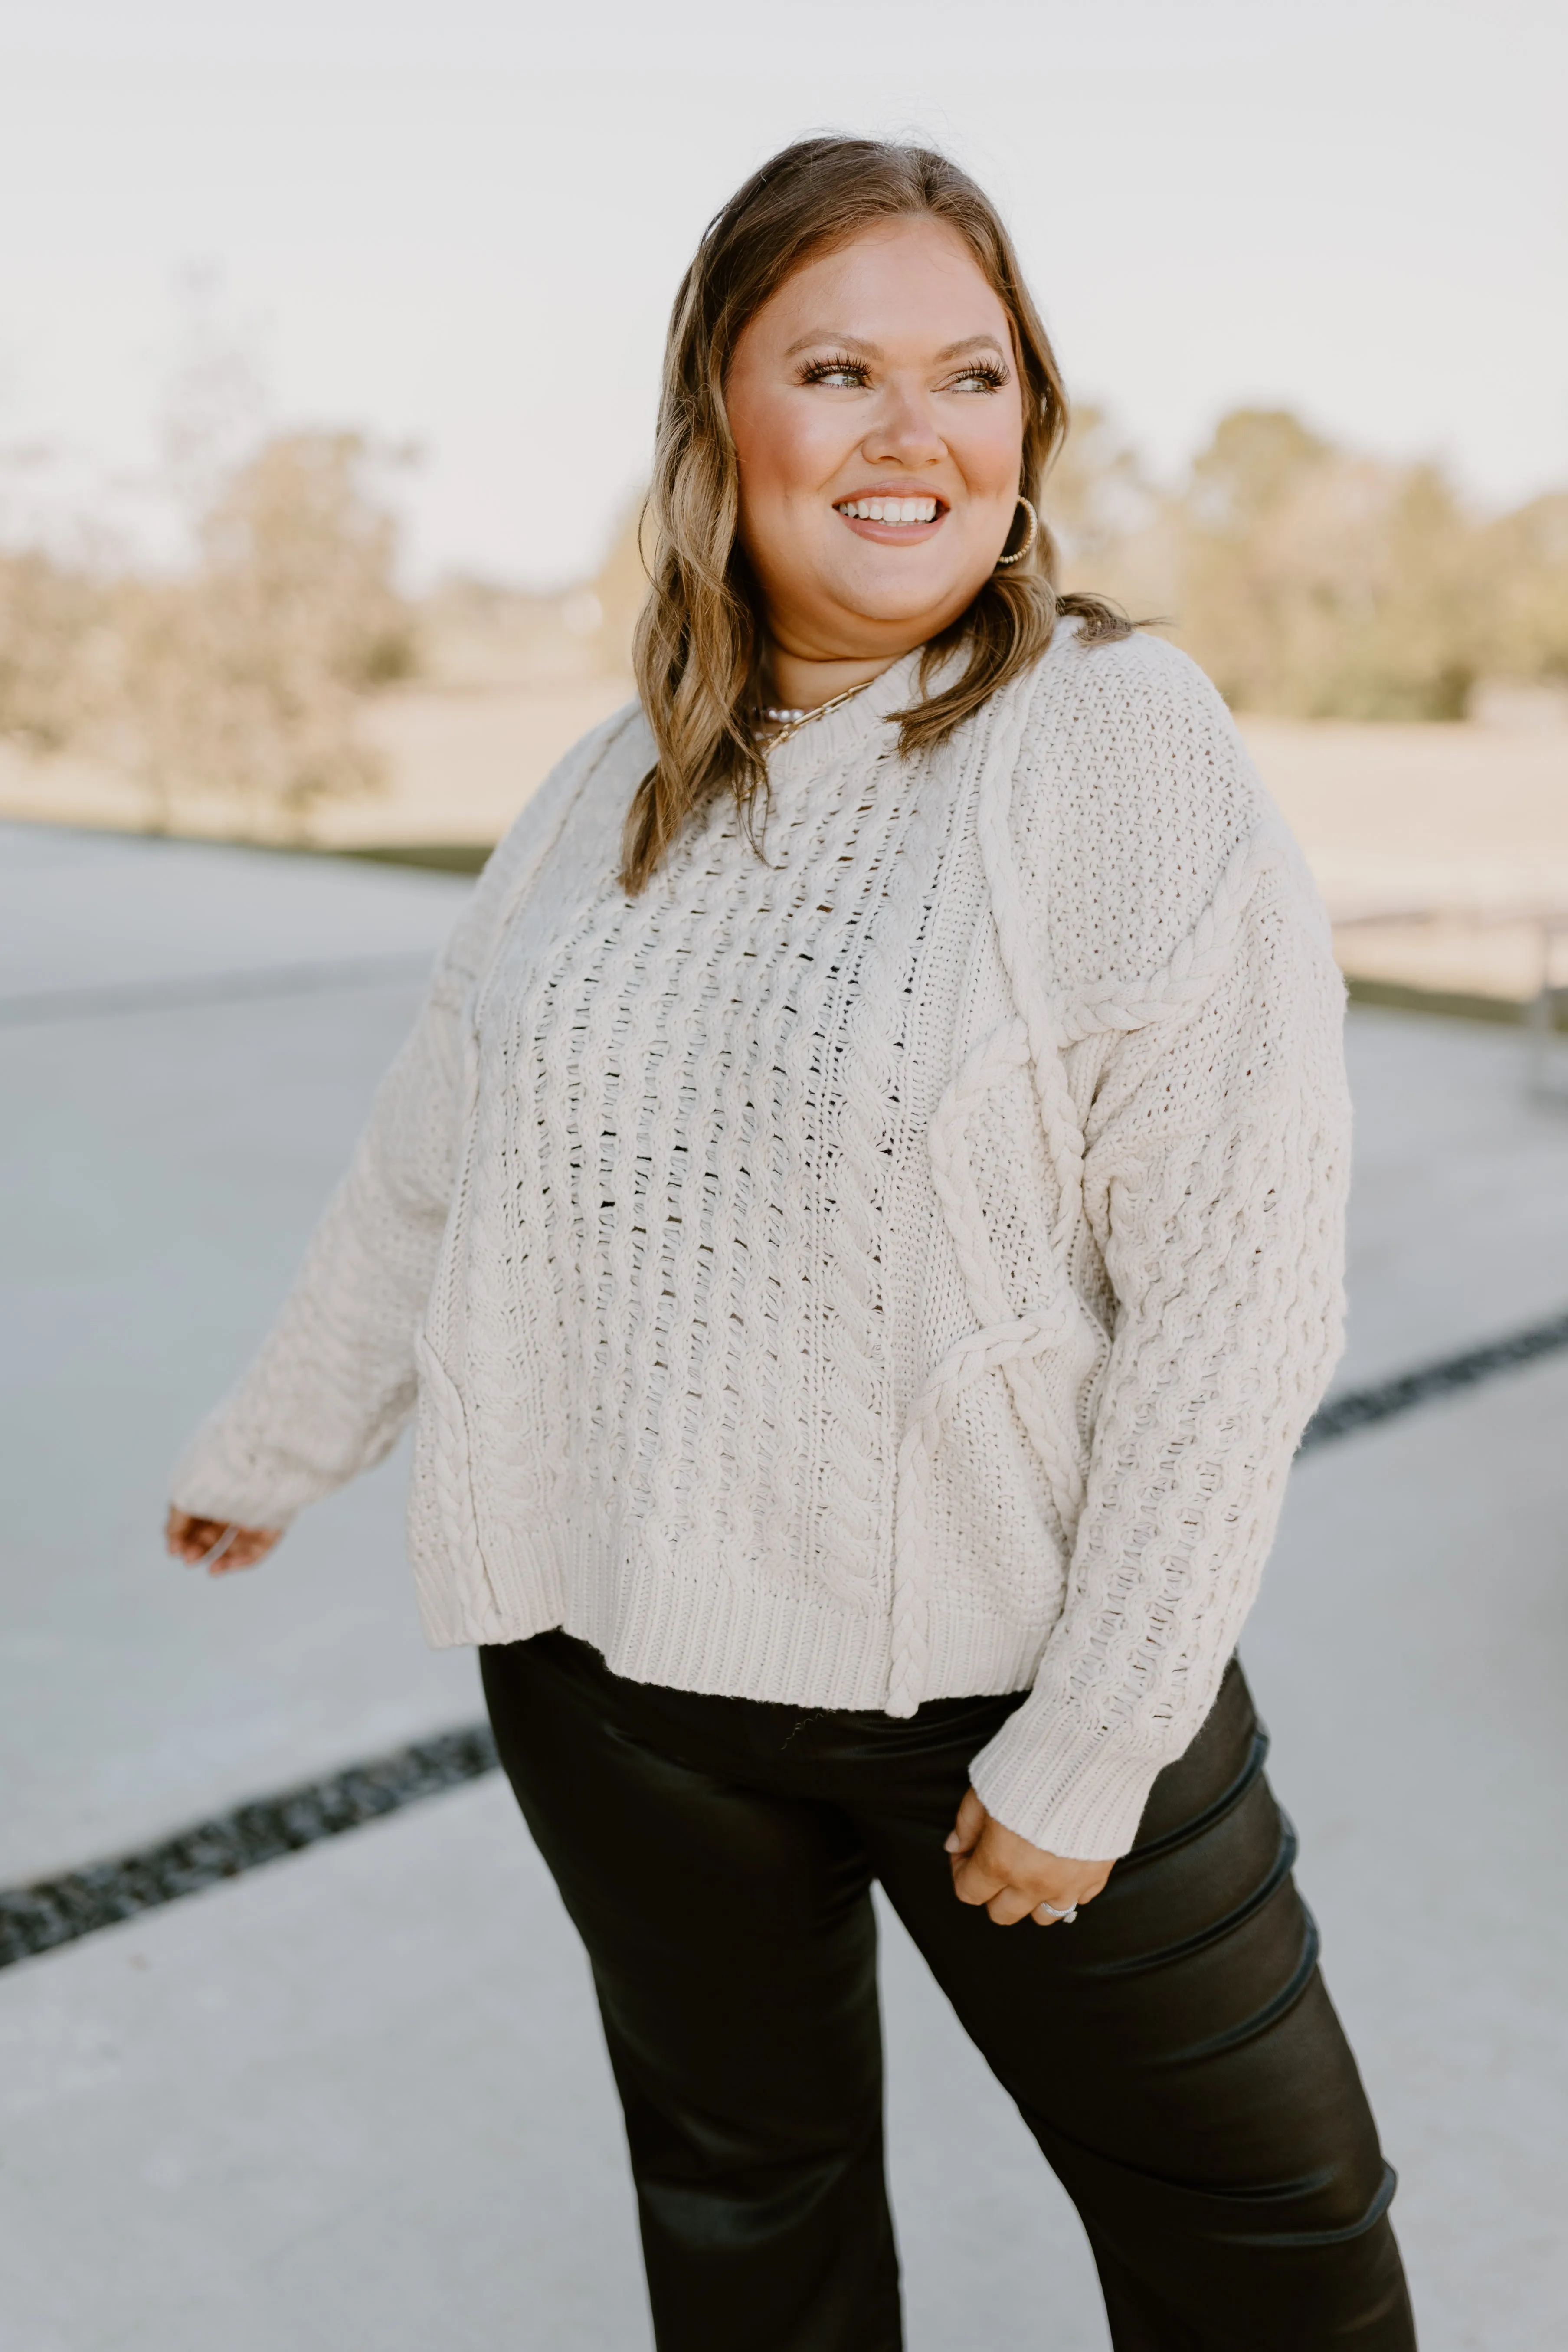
{"x":697,"y":651}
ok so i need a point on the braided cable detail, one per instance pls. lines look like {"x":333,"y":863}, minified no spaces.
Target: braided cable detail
{"x":447,"y":1458}
{"x":1032,"y":1038}
{"x":968,"y":1360}
{"x":1187,"y":976}
{"x":1043,"y":1024}
{"x":1005,"y":1049}
{"x":1039,"y":1036}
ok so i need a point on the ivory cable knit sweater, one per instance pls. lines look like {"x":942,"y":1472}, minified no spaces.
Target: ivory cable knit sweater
{"x":901,"y":1268}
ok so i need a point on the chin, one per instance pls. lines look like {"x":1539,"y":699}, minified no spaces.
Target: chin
{"x":905,"y":603}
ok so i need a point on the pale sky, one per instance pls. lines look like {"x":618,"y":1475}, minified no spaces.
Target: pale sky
{"x":460,"y":222}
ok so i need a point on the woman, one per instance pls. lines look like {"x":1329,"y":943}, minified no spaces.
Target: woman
{"x":861,"y":1210}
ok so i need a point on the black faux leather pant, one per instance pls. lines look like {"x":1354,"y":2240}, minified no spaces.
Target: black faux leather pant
{"x":1173,"y":2051}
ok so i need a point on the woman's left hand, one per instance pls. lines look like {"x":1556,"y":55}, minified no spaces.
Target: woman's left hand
{"x":1012,"y":1878}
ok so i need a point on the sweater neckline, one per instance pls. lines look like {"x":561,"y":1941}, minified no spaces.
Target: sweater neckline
{"x":838,"y":734}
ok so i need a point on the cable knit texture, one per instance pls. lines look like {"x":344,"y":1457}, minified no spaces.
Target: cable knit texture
{"x":896,"y":1266}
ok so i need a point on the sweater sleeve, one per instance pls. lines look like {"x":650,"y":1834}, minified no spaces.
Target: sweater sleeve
{"x":1217,"y":1155}
{"x":334,"y":1381}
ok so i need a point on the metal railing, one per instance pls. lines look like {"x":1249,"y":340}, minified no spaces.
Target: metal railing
{"x":1544,"y":1015}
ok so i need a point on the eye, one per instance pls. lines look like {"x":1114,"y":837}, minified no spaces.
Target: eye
{"x":981,"y":375}
{"x":841,"y":374}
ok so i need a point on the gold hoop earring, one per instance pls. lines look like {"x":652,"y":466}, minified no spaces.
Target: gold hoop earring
{"x":1004,"y":563}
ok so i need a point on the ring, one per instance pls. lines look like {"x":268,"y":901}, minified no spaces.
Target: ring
{"x":215,"y":1551}
{"x":1066,"y":1917}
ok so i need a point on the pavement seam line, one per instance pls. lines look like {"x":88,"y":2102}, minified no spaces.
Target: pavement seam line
{"x":56,"y":1911}
{"x":1361,"y":1408}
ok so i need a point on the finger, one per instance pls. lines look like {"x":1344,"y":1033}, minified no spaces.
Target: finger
{"x":228,"y":1546}
{"x":965,"y":1831}
{"x":1009,"y":1907}
{"x":249,"y":1545}
{"x":1044,"y":1915}
{"x":974,"y":1883}
{"x":239,"y":1560}
{"x":220,"y":1547}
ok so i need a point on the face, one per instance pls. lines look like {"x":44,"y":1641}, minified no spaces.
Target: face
{"x":878,"y":421}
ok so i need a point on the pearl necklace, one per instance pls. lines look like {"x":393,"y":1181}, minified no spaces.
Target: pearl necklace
{"x":789,"y":723}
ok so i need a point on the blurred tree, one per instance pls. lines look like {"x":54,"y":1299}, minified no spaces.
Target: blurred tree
{"x":57,"y":654}
{"x":1317,"y":583}
{"x":243,"y":670}
{"x":1112,"y":528}
{"x":56,"y":649}
{"x":216,"y":405}
{"x":1098,"y":495}
{"x":246,"y":674}
{"x":1522,"y":566}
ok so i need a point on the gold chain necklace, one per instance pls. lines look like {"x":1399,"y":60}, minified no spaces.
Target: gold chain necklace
{"x":790,"y":723}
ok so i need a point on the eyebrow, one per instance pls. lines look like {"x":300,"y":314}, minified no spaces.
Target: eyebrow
{"x":874,"y":351}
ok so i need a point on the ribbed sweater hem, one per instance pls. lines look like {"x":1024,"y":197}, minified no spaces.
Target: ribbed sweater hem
{"x":693,"y":1626}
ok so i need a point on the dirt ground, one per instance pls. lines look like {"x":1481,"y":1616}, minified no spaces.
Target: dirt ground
{"x":1455,"y":836}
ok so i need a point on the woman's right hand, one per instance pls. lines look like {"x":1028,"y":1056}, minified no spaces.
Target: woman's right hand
{"x":191,"y":1539}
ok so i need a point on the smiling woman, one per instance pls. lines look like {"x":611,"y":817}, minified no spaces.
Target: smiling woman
{"x":864,"y":1231}
{"x":855,"y":328}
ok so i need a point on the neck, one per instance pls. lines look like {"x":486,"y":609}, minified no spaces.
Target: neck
{"x":800,"y":682}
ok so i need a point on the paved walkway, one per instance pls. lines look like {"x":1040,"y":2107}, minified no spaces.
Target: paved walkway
{"x":355,"y":2098}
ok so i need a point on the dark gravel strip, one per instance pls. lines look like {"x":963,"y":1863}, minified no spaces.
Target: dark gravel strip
{"x":210,"y":988}
{"x":1360,"y":1408}
{"x":57,"y":1910}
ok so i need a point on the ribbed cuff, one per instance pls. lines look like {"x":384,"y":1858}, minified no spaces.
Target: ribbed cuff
{"x":1078,"y":1792}
{"x":249,"y":1492}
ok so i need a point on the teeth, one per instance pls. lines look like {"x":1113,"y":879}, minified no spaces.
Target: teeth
{"x":888,"y":510}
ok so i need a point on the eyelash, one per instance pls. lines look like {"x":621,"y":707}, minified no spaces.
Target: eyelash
{"x":818,"y":371}
{"x":990,"y":373}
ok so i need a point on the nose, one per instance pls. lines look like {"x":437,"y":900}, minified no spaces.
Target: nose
{"x":905,"y":427}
